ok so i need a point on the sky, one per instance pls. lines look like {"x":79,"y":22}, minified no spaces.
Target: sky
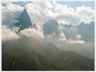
{"x":75,"y":4}
{"x":64,"y":12}
{"x":72,"y":4}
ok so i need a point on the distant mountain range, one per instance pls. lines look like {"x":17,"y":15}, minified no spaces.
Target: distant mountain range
{"x":32,"y":54}
{"x":85,"y":30}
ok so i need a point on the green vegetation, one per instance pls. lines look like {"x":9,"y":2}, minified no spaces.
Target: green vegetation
{"x":41,"y":55}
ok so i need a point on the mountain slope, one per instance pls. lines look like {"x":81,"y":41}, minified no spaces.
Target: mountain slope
{"x":41,"y":55}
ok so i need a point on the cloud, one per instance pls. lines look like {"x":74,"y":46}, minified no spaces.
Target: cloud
{"x":39,"y":11}
{"x":85,"y":12}
{"x":77,"y":41}
{"x":69,"y":32}
{"x":69,"y":19}
{"x":10,"y":13}
{"x":49,"y":36}
{"x":78,"y":36}
{"x":27,"y":2}
{"x":44,"y":11}
{"x":32,"y":33}
{"x":63,"y":9}
{"x":63,"y":38}
{"x":8,"y":34}
{"x":68,"y":15}
{"x":6,"y":2}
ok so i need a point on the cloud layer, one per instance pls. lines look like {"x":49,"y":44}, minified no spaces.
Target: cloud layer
{"x":40,"y":12}
{"x":8,"y":34}
{"x":32,"y":33}
{"x":63,"y":38}
{"x":44,"y":11}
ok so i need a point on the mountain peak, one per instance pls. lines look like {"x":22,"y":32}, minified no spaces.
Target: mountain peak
{"x":50,"y":26}
{"x":24,"y":21}
{"x":24,"y":12}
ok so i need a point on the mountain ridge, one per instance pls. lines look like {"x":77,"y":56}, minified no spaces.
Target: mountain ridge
{"x":45,"y":57}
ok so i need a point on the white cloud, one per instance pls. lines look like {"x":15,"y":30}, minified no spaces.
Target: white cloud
{"x":10,"y":13}
{"x":78,"y":36}
{"x":8,"y":34}
{"x":26,"y":1}
{"x":32,"y":33}
{"x":63,"y":14}
{"x":62,"y":37}
{"x":53,"y":2}
{"x":54,"y":34}
{"x":63,"y":9}
{"x":70,"y":16}
{"x":69,"y":19}
{"x":39,"y":11}
{"x":85,"y":12}
{"x":49,"y":36}
{"x":69,"y":32}
{"x":77,"y":41}
{"x":60,"y":28}
{"x":66,"y":15}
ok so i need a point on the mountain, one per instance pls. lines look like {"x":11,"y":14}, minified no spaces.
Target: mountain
{"x":50,"y":27}
{"x":41,"y":55}
{"x":24,"y":21}
{"x":86,"y":31}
